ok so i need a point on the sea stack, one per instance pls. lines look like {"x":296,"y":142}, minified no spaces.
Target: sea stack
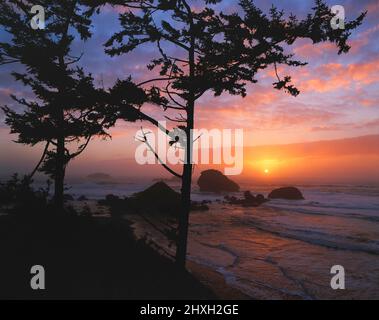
{"x":214,"y":181}
{"x":289,"y":193}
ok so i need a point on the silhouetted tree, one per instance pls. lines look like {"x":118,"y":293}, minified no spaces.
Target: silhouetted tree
{"x":67,"y":109}
{"x":202,"y":49}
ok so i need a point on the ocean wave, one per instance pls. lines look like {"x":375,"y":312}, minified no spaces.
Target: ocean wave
{"x":370,"y":211}
{"x":314,"y":237}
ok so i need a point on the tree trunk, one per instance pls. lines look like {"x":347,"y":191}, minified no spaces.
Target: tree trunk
{"x":181,"y":244}
{"x":59,"y":166}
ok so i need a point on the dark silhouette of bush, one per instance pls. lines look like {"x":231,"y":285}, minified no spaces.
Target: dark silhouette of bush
{"x":117,"y":206}
{"x":17,"y":196}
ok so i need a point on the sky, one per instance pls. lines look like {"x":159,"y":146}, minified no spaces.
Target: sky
{"x":339,"y":99}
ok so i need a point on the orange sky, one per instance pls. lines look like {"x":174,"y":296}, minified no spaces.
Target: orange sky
{"x":343,"y":161}
{"x":353,"y":160}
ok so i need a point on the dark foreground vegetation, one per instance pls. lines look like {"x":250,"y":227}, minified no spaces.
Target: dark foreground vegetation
{"x":84,"y":256}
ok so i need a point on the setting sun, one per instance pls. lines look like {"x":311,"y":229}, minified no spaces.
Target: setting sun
{"x":266,"y":171}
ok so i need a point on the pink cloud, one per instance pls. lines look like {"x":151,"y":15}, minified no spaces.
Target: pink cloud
{"x":335,"y":76}
{"x":310,"y":51}
{"x":372,"y":7}
{"x":369,"y":124}
{"x":369,"y":102}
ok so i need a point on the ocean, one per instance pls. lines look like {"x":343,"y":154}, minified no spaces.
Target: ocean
{"x":283,"y":249}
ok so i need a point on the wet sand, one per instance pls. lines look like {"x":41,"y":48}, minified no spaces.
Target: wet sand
{"x":216,"y":282}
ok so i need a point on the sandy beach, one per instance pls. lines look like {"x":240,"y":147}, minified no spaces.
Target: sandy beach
{"x":216,"y":282}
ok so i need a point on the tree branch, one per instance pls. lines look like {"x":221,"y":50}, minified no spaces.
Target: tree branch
{"x":40,"y":161}
{"x":157,"y":157}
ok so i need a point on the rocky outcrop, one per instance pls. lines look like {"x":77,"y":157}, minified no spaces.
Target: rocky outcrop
{"x":200,"y":206}
{"x":82,"y":198}
{"x":156,"y":199}
{"x":158,"y":196}
{"x":248,"y":200}
{"x":289,"y":193}
{"x":215,"y":181}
